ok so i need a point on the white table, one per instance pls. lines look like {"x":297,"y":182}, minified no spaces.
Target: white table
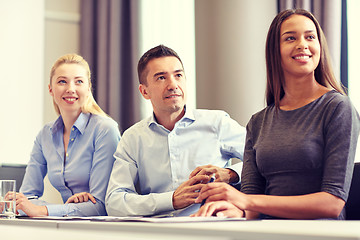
{"x":265,"y":229}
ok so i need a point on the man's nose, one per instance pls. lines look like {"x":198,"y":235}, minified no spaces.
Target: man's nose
{"x":172,"y":83}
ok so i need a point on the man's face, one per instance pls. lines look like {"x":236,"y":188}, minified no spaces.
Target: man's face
{"x":165,"y":85}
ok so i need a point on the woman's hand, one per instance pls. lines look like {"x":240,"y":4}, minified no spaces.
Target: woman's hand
{"x":219,"y":209}
{"x":32,"y":210}
{"x":218,"y":191}
{"x":222,"y":200}
{"x":10,"y":196}
{"x":81,"y":197}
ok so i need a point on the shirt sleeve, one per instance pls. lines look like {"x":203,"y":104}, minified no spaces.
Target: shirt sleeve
{"x":83,"y":209}
{"x":232,"y":137}
{"x":341,"y":133}
{"x":251,"y":180}
{"x":122,"y":198}
{"x":33,"y":182}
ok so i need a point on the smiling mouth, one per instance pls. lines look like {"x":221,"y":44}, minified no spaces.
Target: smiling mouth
{"x":302,"y":57}
{"x":70,"y":99}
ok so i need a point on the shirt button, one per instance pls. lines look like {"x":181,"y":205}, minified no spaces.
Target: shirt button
{"x":73,"y":129}
{"x":67,"y":154}
{"x":72,"y":139}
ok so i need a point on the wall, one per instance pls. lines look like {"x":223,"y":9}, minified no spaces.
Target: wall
{"x":21,"y":81}
{"x":230,"y":55}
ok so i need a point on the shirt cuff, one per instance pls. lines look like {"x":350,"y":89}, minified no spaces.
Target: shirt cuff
{"x":164,"y":202}
{"x":238,"y":169}
{"x":57,"y":210}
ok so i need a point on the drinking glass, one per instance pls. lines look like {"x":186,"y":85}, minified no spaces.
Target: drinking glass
{"x":7,"y":199}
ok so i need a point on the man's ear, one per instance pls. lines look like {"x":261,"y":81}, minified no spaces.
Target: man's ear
{"x":143,"y":90}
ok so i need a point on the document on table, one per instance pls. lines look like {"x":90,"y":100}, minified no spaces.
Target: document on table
{"x":137,"y":219}
{"x":55,"y":218}
{"x":164,"y":220}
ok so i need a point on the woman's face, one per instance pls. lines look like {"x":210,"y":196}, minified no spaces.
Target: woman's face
{"x":70,"y":88}
{"x":299,"y":46}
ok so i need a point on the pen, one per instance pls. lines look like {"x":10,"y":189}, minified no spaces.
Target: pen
{"x":211,"y":180}
{"x":32,"y":197}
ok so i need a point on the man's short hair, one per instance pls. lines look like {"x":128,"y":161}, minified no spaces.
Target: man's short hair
{"x":156,"y":52}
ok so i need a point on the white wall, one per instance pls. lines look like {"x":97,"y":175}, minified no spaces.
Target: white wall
{"x":33,"y":35}
{"x":21,"y":81}
{"x":230,"y":55}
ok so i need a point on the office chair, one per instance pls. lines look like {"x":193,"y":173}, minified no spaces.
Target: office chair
{"x":352,"y":206}
{"x":13,"y":172}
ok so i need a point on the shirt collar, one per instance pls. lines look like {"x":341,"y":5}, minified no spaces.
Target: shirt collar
{"x":188,"y":116}
{"x":58,"y":125}
{"x":82,"y":121}
{"x":79,"y":124}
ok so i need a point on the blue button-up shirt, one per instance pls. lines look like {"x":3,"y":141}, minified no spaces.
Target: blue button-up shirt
{"x":86,"y":168}
{"x":157,"y":160}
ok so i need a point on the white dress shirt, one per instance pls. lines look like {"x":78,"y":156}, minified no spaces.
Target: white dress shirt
{"x":151,"y":161}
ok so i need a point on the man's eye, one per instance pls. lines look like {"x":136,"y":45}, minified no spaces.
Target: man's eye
{"x":161,"y":78}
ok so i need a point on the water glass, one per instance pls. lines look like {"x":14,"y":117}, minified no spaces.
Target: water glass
{"x":7,"y":199}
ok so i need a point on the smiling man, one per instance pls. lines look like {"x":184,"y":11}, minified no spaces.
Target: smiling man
{"x":162,"y":162}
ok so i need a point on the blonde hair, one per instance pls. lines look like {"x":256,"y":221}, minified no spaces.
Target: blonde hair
{"x":90,"y":105}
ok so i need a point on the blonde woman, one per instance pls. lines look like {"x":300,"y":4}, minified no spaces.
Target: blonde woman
{"x":76,"y":150}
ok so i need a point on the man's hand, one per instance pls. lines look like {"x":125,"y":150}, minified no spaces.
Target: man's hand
{"x":81,"y":197}
{"x":221,"y":174}
{"x":188,"y":191}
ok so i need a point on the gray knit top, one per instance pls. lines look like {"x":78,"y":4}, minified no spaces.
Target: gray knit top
{"x":302,"y":151}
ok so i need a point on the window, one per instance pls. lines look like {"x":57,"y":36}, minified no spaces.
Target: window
{"x":353,"y":9}
{"x":171,"y":23}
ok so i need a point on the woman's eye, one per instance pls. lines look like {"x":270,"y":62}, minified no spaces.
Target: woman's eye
{"x":179,"y":75}
{"x":311,"y":37}
{"x":62,"y":81}
{"x":79,"y":81}
{"x":289,"y":38}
